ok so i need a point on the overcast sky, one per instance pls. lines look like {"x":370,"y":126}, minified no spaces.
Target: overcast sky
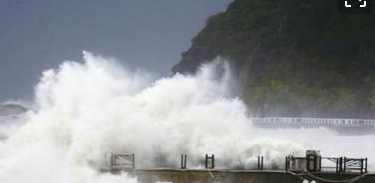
{"x":39,"y":34}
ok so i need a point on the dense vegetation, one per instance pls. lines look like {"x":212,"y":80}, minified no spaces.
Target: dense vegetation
{"x":294,"y":57}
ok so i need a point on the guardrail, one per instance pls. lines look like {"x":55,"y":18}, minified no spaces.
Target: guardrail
{"x":123,"y":161}
{"x":315,"y":121}
{"x":328,"y":164}
{"x":310,"y":163}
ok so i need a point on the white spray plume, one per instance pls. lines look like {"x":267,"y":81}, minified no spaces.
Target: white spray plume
{"x":85,"y":110}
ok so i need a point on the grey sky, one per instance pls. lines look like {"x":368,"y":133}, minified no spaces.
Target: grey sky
{"x":39,"y":34}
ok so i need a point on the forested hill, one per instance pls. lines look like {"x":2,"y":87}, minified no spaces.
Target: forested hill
{"x":293,"y":57}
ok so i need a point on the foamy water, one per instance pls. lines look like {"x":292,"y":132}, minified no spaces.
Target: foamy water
{"x":82,"y":111}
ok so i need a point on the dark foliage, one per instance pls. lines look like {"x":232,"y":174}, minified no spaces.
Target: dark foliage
{"x":293,"y":58}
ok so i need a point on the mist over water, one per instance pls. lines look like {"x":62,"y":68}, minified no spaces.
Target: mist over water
{"x":83,"y":111}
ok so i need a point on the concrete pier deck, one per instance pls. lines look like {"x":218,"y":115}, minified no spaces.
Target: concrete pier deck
{"x":241,"y":176}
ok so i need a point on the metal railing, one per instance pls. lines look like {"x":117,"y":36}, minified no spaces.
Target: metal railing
{"x":122,"y":161}
{"x":328,"y":164}
{"x":315,"y":121}
{"x":292,"y":164}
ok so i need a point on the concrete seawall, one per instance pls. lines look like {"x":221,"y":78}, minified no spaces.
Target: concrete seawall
{"x":241,"y":176}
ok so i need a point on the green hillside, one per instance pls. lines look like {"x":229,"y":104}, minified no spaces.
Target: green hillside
{"x":293,"y":58}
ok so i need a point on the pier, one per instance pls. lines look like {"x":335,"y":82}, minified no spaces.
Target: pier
{"x":311,"y":168}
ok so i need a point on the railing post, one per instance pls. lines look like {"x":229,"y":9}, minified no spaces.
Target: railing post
{"x":286,"y":163}
{"x":133,"y":160}
{"x":341,"y":164}
{"x":213,"y":161}
{"x":183,"y":161}
{"x":259,"y":163}
{"x":111,"y":159}
{"x":366,"y":165}
{"x":212,"y":158}
{"x":320,"y":163}
{"x":206,"y":159}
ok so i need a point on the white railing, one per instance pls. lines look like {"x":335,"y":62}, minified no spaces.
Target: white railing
{"x":315,"y":121}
